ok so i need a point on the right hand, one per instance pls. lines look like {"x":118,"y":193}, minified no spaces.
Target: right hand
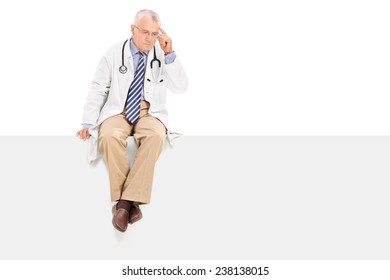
{"x":83,"y":134}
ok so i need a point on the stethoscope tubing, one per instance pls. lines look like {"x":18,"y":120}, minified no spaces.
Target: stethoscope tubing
{"x":123,"y":68}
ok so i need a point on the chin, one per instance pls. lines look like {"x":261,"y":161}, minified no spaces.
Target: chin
{"x":148,"y":48}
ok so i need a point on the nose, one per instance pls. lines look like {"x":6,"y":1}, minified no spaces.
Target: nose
{"x":149,"y":37}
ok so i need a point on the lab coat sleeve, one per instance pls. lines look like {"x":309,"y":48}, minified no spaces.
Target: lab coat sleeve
{"x":98,"y":92}
{"x":177,"y":81}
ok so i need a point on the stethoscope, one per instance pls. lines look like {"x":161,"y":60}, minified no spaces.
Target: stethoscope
{"x":123,"y":68}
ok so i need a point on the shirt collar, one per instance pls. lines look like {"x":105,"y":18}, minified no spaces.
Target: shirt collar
{"x":133,"y":48}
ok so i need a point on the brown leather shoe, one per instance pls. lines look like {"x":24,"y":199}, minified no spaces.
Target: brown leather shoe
{"x":120,"y":218}
{"x":135,"y":214}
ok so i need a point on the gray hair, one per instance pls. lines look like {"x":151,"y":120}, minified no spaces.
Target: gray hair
{"x":149,"y":13}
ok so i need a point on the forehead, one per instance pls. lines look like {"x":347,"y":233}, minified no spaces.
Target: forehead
{"x":148,"y":24}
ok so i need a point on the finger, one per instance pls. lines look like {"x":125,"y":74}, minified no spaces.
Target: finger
{"x":165,"y":38}
{"x":85,"y":133}
{"x":163,"y":42}
{"x":162,"y":31}
{"x":162,"y":36}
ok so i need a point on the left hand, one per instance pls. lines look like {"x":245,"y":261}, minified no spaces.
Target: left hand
{"x":165,"y":42}
{"x":83,"y":134}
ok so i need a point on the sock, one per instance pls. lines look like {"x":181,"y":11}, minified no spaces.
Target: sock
{"x":125,"y":204}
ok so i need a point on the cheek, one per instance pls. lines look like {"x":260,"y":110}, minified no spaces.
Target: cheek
{"x":138,"y":40}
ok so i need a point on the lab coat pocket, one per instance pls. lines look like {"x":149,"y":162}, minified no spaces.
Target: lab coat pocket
{"x":155,"y":91}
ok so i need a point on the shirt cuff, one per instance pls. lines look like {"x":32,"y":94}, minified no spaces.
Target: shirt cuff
{"x":169,"y":58}
{"x":87,"y":125}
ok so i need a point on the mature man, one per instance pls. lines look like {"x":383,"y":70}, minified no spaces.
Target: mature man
{"x":127,"y":97}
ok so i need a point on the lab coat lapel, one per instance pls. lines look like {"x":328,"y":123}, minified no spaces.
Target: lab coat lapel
{"x":127,"y":78}
{"x":148,"y":73}
{"x":128,"y":58}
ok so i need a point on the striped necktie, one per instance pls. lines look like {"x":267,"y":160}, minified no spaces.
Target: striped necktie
{"x":135,"y":91}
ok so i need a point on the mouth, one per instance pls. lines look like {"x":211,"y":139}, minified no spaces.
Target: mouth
{"x":148,"y":46}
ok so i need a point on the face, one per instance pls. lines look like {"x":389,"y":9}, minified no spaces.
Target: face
{"x":145,"y":34}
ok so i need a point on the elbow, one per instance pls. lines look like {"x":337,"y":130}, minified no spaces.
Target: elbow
{"x":183,"y":87}
{"x":180,"y":86}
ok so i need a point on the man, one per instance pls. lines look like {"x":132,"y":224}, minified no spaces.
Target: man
{"x":127,"y":97}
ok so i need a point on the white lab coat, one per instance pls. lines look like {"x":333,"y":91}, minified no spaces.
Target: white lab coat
{"x":107,"y":96}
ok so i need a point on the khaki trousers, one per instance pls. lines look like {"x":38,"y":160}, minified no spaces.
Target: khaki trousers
{"x":133,"y":184}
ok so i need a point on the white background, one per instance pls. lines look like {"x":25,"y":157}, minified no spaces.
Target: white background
{"x":255,"y":67}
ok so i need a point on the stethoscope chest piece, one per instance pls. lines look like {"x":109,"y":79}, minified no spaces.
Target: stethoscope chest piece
{"x":123,"y":69}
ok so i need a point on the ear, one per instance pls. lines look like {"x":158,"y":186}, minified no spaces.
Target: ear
{"x":132,"y":29}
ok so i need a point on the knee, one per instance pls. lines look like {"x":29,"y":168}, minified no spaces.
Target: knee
{"x":108,"y":138}
{"x":156,"y":137}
